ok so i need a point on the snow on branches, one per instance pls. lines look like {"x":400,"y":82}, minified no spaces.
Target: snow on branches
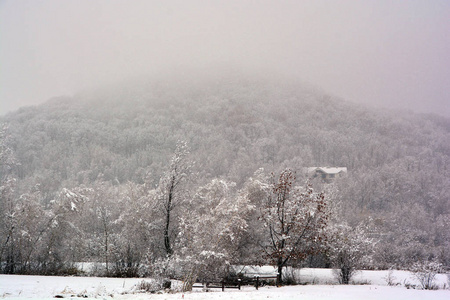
{"x":171,"y":190}
{"x":349,"y":249}
{"x":210,"y":231}
{"x":295,"y":219}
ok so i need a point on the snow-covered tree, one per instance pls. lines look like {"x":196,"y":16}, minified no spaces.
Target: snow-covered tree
{"x":172,"y":192}
{"x":8,"y":227}
{"x":7,"y":157}
{"x":294,"y":218}
{"x":59,"y":233}
{"x":349,"y":249}
{"x":210,"y":232}
{"x":139,"y":229}
{"x":39,"y":238}
{"x":102,"y":212}
{"x":8,"y":205}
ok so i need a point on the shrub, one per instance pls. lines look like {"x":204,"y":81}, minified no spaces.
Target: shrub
{"x":152,"y":285}
{"x":127,"y":263}
{"x":344,"y":274}
{"x":390,"y":278}
{"x":425,"y":273}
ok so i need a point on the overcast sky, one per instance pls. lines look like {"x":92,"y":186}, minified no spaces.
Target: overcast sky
{"x":384,"y":52}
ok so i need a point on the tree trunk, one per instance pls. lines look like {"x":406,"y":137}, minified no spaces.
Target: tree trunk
{"x":345,"y":273}
{"x":189,"y":280}
{"x":106,"y":255}
{"x":106,"y":241}
{"x":169,"y":250}
{"x":280,"y":272}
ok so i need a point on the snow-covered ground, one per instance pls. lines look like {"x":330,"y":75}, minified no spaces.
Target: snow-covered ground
{"x":324,"y":287}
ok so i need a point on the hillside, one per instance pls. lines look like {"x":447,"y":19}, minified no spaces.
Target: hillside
{"x":398,"y":162}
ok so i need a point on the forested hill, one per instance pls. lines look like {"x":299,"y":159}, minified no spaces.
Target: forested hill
{"x":398,"y":162}
{"x":232,"y":128}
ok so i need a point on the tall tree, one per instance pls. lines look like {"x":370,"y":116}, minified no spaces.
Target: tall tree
{"x":172,"y":192}
{"x":295,"y":219}
{"x":8,"y":199}
{"x":211,"y":231}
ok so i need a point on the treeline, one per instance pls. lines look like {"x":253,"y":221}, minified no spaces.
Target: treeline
{"x":179,"y":229}
{"x":109,"y":145}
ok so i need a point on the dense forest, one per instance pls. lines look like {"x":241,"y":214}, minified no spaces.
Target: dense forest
{"x":100,"y":176}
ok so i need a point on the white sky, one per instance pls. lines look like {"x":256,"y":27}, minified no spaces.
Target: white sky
{"x":384,"y":52}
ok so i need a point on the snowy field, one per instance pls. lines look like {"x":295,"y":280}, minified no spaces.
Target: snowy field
{"x":323,"y":287}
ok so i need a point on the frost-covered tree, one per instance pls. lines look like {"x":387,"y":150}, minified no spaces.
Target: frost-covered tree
{"x":28,"y":225}
{"x":40,"y":238}
{"x":295,"y":219}
{"x":59,"y":232}
{"x":349,"y":249}
{"x":8,"y":205}
{"x":8,"y":228}
{"x":139,"y":227}
{"x":210,"y":232}
{"x":103,"y":210}
{"x":33,"y":224}
{"x":255,"y":190}
{"x":173,"y":192}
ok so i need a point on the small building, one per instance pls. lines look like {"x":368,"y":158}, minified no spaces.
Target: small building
{"x":326,"y":173}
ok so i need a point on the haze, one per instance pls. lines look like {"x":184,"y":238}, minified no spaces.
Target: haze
{"x":385,"y":53}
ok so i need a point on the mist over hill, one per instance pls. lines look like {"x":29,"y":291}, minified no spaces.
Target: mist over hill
{"x":398,"y":162}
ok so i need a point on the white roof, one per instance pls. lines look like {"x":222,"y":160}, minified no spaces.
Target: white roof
{"x":328,"y":170}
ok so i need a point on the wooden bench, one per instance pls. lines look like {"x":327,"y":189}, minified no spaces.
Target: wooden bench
{"x":219,"y":285}
{"x":223,"y":285}
{"x":257,"y":278}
